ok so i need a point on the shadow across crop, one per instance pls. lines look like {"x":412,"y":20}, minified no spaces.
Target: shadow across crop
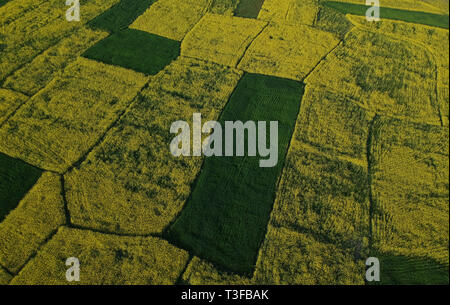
{"x":441,"y":21}
{"x":16,"y":178}
{"x":226,"y":216}
{"x":136,"y":50}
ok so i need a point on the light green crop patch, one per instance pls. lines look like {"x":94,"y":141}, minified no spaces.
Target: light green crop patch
{"x":38,"y":214}
{"x":201,"y":272}
{"x":62,"y":122}
{"x":410,"y":166}
{"x":290,"y":11}
{"x":287,"y":51}
{"x":131,"y":183}
{"x":289,"y":257}
{"x":221,"y":39}
{"x":384,"y":74}
{"x":9,"y":102}
{"x":324,"y":197}
{"x":333,"y":125}
{"x":172,"y":19}
{"x":5,"y":277}
{"x":37,"y":74}
{"x":105,"y":259}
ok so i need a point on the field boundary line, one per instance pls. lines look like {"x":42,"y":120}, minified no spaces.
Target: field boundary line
{"x":250,"y":44}
{"x":101,"y":138}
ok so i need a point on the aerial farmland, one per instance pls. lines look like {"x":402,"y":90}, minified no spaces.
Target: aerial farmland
{"x":224,"y":142}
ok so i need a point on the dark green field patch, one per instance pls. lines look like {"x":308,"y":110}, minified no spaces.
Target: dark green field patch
{"x":136,"y":50}
{"x":226,"y":217}
{"x":121,"y":15}
{"x":248,"y":8}
{"x":441,"y":21}
{"x":16,"y":178}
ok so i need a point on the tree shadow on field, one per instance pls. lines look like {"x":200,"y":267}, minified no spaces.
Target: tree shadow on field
{"x":16,"y":179}
{"x":406,"y":270}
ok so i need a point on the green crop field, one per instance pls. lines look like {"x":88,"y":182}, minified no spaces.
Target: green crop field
{"x":102,"y":158}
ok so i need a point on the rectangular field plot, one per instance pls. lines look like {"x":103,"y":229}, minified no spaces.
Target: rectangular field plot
{"x":131,"y":260}
{"x":131,"y":183}
{"x":172,"y":19}
{"x":383,"y":74}
{"x":410,"y":166}
{"x":61,"y":123}
{"x":226,"y":216}
{"x":121,"y":15}
{"x":392,"y":13}
{"x":287,"y":51}
{"x":333,"y":125}
{"x":136,"y":50}
{"x":221,"y":39}
{"x":248,"y":8}
{"x":16,"y":178}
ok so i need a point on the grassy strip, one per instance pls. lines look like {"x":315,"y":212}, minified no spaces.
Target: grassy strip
{"x":16,"y":178}
{"x":248,"y":8}
{"x":436,"y":20}
{"x":226,"y":217}
{"x":121,"y":15}
{"x":137,"y":50}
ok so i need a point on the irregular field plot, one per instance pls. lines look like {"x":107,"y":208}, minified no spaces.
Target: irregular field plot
{"x":131,"y":182}
{"x":62,"y":122}
{"x":248,"y":8}
{"x":221,"y":39}
{"x":9,"y":102}
{"x":171,"y":18}
{"x":287,"y":51}
{"x":121,"y":15}
{"x":333,"y":125}
{"x":435,"y":41}
{"x":410,"y":165}
{"x":136,"y":50}
{"x":392,"y":13}
{"x":37,"y":216}
{"x":288,"y":257}
{"x":28,"y":27}
{"x":39,"y":72}
{"x":290,"y":11}
{"x":130,"y":260}
{"x":16,"y":178}
{"x":226,"y":216}
{"x":382,"y":74}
